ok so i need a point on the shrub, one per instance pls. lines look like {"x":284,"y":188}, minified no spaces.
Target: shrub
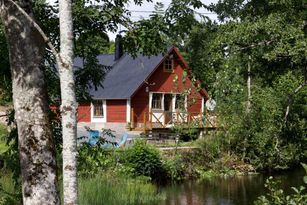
{"x":277,"y":196}
{"x":186,"y":132}
{"x":210,"y":147}
{"x":145,"y":160}
{"x":3,"y":133}
{"x":175,"y":168}
{"x":10,"y":193}
{"x":93,"y":159}
{"x":189,"y":134}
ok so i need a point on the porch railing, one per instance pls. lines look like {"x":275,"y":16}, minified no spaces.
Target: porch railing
{"x":167,"y":119}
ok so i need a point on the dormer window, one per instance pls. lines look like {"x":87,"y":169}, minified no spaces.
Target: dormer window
{"x":168,"y":65}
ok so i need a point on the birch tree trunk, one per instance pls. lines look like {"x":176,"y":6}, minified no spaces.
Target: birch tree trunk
{"x":69,"y":105}
{"x":249,"y":95}
{"x":36,"y":147}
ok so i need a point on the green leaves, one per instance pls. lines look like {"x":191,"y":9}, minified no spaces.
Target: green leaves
{"x":145,"y":160}
{"x":276,"y":196}
{"x":269,"y":36}
{"x":163,"y":28}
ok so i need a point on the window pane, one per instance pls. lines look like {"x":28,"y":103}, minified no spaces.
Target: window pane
{"x":180,"y":102}
{"x":156,"y":101}
{"x":168,"y":99}
{"x":168,"y":64}
{"x":98,"y":108}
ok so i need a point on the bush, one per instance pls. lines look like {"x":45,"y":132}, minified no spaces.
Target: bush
{"x":277,"y":196}
{"x":3,"y":134}
{"x":10,"y":193}
{"x":211,"y":147}
{"x":145,"y":160}
{"x":188,"y":134}
{"x":93,"y":160}
{"x":175,"y":168}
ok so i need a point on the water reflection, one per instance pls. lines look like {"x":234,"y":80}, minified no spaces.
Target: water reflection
{"x":241,"y":190}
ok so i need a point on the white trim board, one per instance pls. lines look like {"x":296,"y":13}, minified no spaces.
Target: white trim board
{"x":99,"y":119}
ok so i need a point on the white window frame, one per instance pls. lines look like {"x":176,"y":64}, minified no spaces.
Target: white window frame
{"x":162,"y":101}
{"x":99,"y":118}
{"x":151,"y":101}
{"x":202,"y":104}
{"x":185,"y":101}
{"x":128,"y":116}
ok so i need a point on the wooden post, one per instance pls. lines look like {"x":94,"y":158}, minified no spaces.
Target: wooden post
{"x":132,"y":119}
{"x":150,"y":120}
{"x":144,"y":121}
{"x":201,"y":120}
{"x":207,"y":115}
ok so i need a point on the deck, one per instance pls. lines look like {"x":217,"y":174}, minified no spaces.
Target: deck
{"x":166,"y":119}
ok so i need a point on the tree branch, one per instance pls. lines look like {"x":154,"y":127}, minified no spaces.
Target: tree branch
{"x":4,"y":115}
{"x":41,"y":32}
{"x":262,"y":43}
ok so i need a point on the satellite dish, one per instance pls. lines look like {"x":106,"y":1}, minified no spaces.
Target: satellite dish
{"x":210,"y":104}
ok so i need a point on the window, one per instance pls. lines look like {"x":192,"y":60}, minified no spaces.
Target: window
{"x":156,"y":101}
{"x":168,"y":65}
{"x":98,"y":108}
{"x":168,"y":99}
{"x":180,"y":102}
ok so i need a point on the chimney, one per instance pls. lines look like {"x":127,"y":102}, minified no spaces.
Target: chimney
{"x":118,"y":47}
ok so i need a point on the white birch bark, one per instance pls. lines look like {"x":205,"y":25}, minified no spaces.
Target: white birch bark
{"x":36,"y":147}
{"x":249,"y":97}
{"x":249,"y":94}
{"x":69,"y":105}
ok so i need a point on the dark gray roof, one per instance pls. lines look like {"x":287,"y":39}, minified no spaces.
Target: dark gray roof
{"x":103,"y":59}
{"x":126,"y":75}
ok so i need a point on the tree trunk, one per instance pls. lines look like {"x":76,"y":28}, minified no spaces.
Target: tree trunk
{"x":69,"y":105}
{"x":36,"y":147}
{"x":248,"y":104}
{"x":249,"y":95}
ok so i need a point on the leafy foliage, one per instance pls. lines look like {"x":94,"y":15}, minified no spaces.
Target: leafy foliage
{"x":145,"y":160}
{"x":278,"y":197}
{"x":160,"y":31}
{"x":93,"y":160}
{"x":175,"y":168}
{"x":270,"y":36}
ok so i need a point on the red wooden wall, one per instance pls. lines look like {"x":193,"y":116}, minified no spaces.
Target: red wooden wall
{"x":161,"y":81}
{"x":84,"y":112}
{"x":116,"y":110}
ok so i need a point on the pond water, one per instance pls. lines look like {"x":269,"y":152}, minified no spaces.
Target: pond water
{"x":242,"y":190}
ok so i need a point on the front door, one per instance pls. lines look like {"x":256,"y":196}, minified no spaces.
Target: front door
{"x":168,"y":104}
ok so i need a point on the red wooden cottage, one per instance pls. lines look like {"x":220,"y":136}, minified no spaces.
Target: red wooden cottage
{"x":144,"y":93}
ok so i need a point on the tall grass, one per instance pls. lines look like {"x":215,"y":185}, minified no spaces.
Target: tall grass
{"x":99,"y":190}
{"x":108,"y":190}
{"x":3,"y":132}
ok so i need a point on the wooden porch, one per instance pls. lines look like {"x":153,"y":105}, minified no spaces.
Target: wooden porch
{"x":166,"y":119}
